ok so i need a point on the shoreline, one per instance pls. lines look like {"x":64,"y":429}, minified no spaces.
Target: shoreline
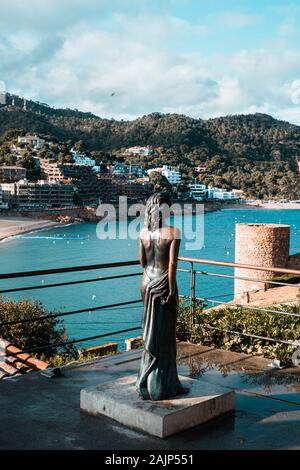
{"x":264,"y":205}
{"x":12,"y":226}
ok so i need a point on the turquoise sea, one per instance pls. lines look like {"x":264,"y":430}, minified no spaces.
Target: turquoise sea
{"x":83,"y":247}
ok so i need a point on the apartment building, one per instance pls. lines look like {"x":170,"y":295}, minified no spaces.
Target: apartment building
{"x":3,"y":205}
{"x":172,"y":174}
{"x":39,"y":195}
{"x":134,"y":190}
{"x":92,"y":186}
{"x":81,"y":176}
{"x":12,"y":173}
{"x":81,"y":159}
{"x":219,"y":193}
{"x":197,"y":191}
{"x":50,"y":170}
{"x":110,"y":188}
{"x":122,"y":169}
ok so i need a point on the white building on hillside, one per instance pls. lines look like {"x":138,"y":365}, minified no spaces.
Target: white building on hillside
{"x":82,"y":159}
{"x":218,"y":193}
{"x":141,"y":151}
{"x":172,"y":174}
{"x":33,"y":140}
{"x":198,"y":191}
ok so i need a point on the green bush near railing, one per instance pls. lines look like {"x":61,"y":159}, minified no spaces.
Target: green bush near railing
{"x":272,"y":325}
{"x":287,"y":278}
{"x":35,"y":334}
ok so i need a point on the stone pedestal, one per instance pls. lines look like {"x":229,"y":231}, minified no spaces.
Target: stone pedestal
{"x":119,"y":400}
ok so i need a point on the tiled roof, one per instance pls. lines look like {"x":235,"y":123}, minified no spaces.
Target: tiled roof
{"x":13,"y":364}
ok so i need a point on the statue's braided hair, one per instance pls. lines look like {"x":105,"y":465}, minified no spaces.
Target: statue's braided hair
{"x":154,"y":210}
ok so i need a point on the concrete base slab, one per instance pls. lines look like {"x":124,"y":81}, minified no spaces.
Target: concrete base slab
{"x":120,"y":401}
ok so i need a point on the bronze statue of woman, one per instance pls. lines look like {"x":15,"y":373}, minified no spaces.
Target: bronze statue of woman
{"x":158,"y":254}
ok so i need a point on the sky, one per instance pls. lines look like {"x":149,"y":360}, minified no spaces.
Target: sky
{"x":126,"y":58}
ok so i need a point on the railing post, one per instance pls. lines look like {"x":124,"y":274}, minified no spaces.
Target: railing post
{"x":192,"y":294}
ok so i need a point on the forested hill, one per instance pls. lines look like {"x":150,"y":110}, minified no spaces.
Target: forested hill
{"x":104,"y":134}
{"x":256,"y":137}
{"x":254,"y":152}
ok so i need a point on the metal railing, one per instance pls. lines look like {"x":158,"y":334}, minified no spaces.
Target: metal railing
{"x":272,"y":270}
{"x":193,"y":273}
{"x":72,"y":269}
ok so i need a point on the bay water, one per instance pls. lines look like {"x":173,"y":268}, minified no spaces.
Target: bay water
{"x":77,"y":245}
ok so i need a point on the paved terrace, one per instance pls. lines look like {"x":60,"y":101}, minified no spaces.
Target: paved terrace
{"x":42,"y":413}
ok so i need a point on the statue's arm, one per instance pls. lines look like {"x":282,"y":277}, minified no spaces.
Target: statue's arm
{"x":142,"y":254}
{"x":173,"y":259}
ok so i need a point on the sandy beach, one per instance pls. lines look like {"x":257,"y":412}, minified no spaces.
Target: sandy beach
{"x":10,"y":226}
{"x":264,"y":205}
{"x":287,"y":205}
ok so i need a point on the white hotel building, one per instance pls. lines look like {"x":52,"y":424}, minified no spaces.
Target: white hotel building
{"x":199,"y":192}
{"x":218,"y":193}
{"x":172,"y":174}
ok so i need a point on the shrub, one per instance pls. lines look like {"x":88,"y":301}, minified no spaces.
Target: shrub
{"x":183,"y":329}
{"x":35,"y":334}
{"x":212,"y":329}
{"x":287,"y":278}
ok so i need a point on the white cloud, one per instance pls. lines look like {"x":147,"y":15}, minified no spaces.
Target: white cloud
{"x":293,"y":90}
{"x":24,"y":41}
{"x":235,"y":19}
{"x":52,"y":15}
{"x":287,"y":27}
{"x":81,"y":59}
{"x":88,"y":68}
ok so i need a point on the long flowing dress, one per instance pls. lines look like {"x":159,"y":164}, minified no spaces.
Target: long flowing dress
{"x":158,"y":379}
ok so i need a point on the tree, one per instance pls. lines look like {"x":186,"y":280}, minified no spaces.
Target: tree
{"x":79,"y":146}
{"x":5,"y":150}
{"x":9,"y":160}
{"x":242,"y":149}
{"x":62,"y":158}
{"x":159,"y":182}
{"x":35,"y":334}
{"x":45,"y":153}
{"x":26,"y":161}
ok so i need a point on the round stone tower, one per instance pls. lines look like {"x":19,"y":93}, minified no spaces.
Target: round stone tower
{"x":265,"y":245}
